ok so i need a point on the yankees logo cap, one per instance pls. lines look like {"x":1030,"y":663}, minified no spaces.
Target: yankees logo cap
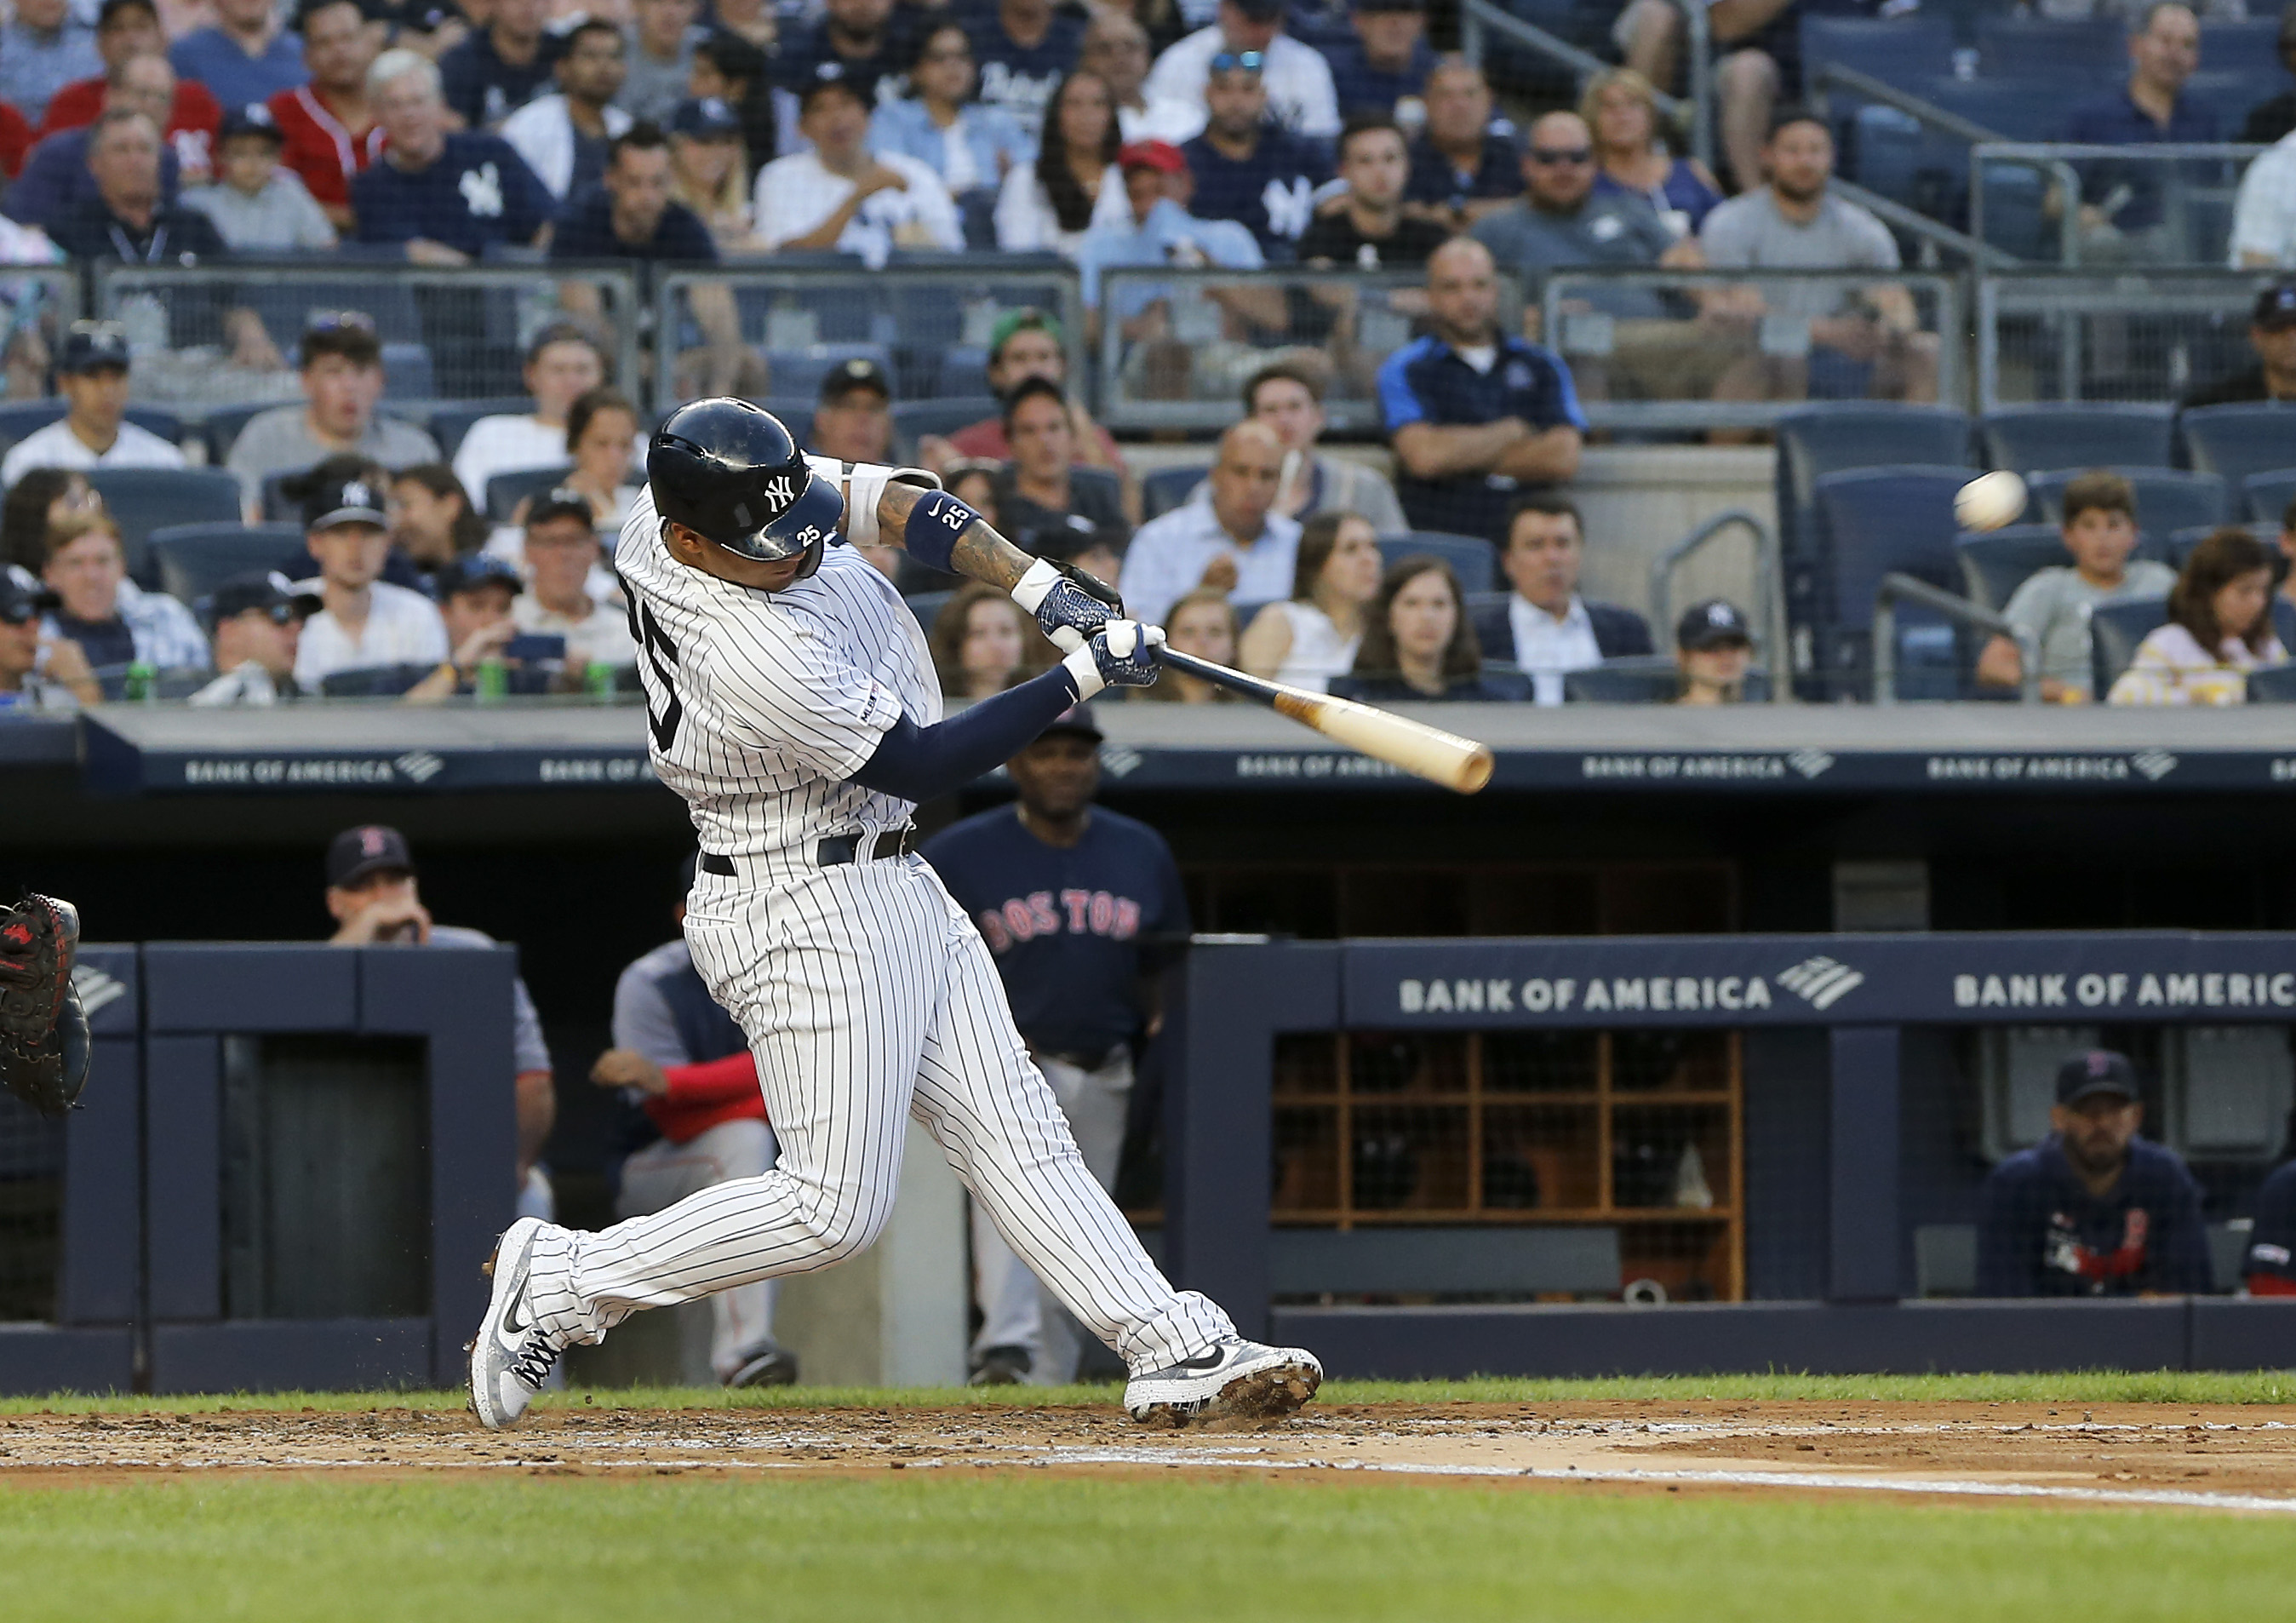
{"x":344,"y":501}
{"x":1715,"y":624}
{"x":859,"y":372}
{"x":372,"y":848}
{"x":2098,"y":1071}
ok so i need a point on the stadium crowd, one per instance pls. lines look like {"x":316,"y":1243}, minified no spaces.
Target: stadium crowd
{"x":1334,"y":141}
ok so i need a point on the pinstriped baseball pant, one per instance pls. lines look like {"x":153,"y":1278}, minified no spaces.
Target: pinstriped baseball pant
{"x":866,"y":994}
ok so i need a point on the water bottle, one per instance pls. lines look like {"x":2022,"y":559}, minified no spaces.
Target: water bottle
{"x":143,"y":684}
{"x":598,"y":682}
{"x":493,"y":681}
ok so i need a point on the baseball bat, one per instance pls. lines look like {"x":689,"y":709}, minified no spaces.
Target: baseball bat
{"x":1458,"y":763}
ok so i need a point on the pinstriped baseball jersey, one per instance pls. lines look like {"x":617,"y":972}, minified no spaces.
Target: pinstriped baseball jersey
{"x":760,"y":705}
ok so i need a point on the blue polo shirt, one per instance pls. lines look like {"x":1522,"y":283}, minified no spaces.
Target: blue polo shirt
{"x":1363,"y":88}
{"x":1272,"y":193}
{"x":483,"y":87}
{"x":2272,"y":1247}
{"x":2116,"y":120}
{"x":479,"y":191}
{"x":1429,"y":382}
{"x":2041,"y":1232}
{"x":1497,"y":172}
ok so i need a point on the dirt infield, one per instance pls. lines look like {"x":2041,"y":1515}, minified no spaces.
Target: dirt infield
{"x":2240,"y":1458}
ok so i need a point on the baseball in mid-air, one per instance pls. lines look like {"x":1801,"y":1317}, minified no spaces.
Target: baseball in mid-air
{"x":1990,"y":501}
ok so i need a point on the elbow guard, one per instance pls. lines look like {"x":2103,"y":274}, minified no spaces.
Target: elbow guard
{"x":864,"y":485}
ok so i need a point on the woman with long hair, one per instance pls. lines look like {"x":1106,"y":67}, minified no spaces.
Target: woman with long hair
{"x":1418,"y":644}
{"x":970,"y":145}
{"x":1202,"y":623}
{"x":42,"y":499}
{"x":732,"y":69}
{"x":1621,"y":107}
{"x":602,"y":430}
{"x":430,"y":516}
{"x":1313,"y":637}
{"x":982,"y":643}
{"x":1074,"y":184}
{"x":2219,"y":628}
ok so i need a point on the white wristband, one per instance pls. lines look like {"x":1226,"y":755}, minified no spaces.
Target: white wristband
{"x":1036,"y":584}
{"x":1082,"y":666}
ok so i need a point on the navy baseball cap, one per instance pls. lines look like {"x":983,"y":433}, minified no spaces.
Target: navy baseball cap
{"x":346,"y":501}
{"x":372,"y":848}
{"x":2098,"y":1071}
{"x":827,"y":77}
{"x":480,"y":569}
{"x":705,"y":118}
{"x":1715,"y":624}
{"x":2275,"y":307}
{"x":858,"y":373}
{"x":92,"y":346}
{"x":1258,"y":11}
{"x":1076,"y":722}
{"x":561,"y":503}
{"x":19,"y":602}
{"x":253,"y":119}
{"x":265,"y":589}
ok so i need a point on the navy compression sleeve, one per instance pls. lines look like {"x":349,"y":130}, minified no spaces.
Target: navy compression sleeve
{"x":918,"y":763}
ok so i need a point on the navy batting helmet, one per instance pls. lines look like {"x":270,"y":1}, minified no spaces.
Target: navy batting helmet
{"x":730,"y":471}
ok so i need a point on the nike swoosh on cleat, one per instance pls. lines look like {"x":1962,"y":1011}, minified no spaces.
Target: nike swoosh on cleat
{"x":1202,"y":1361}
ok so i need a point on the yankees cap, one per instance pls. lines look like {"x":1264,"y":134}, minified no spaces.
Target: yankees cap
{"x":859,"y":372}
{"x":371,"y":848}
{"x":20,"y":600}
{"x":265,"y":589}
{"x":2098,"y":1071}
{"x":480,"y":569}
{"x":1715,"y":624}
{"x":345,"y":501}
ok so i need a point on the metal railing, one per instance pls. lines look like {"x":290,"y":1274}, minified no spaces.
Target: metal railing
{"x":446,"y":335}
{"x":38,"y":303}
{"x":1770,"y":590}
{"x":2192,"y":204}
{"x":1476,"y":17}
{"x":2136,"y":336}
{"x":1649,"y":334}
{"x":1900,"y":587}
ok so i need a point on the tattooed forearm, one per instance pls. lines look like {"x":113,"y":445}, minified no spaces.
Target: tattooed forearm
{"x":979,"y":553}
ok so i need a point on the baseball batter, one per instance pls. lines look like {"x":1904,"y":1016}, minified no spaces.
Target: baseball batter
{"x":791,"y":702}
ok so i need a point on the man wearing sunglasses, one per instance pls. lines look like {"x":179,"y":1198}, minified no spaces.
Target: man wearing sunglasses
{"x":1249,"y":167}
{"x":38,"y":673}
{"x":1300,"y":93}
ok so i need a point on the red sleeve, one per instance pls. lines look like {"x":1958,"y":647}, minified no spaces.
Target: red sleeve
{"x":78,"y":104}
{"x":195,"y":108}
{"x":16,"y":140}
{"x":2270,"y":1284}
{"x":701,"y":1096}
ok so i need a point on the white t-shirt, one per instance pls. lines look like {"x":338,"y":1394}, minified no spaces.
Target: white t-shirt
{"x":1300,"y":89}
{"x":2264,"y":216}
{"x":507,"y":445}
{"x":1026,"y":223}
{"x":1319,"y":652}
{"x":1546,"y":647}
{"x":57,"y":447}
{"x":795,"y":194}
{"x":601,"y":637}
{"x":402,"y":628}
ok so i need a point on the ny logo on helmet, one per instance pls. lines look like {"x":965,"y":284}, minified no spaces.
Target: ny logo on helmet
{"x":780,"y":492}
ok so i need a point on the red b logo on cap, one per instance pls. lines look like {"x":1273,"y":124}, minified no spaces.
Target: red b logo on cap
{"x":371,"y":841}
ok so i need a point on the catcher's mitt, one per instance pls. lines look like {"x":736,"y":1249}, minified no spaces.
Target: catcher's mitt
{"x":44,"y":1046}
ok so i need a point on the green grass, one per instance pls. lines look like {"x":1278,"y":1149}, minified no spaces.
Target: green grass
{"x":2079,"y":1386}
{"x":957,"y":1547}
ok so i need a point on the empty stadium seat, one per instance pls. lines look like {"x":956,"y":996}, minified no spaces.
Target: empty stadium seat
{"x":21,"y":419}
{"x":2009,"y":44}
{"x":914,"y":419}
{"x":1471,"y":558}
{"x":2166,"y":501}
{"x":1643,"y":678}
{"x":449,"y":423}
{"x":2268,"y":495}
{"x":144,"y":500}
{"x":2029,"y":107}
{"x":2077,"y":434}
{"x":1903,"y":52}
{"x":380,"y":682}
{"x":1168,"y":488}
{"x":506,"y":489}
{"x":1822,"y":440}
{"x":2115,"y":629}
{"x":407,"y":374}
{"x":221,"y":428}
{"x":1993,"y":566}
{"x":1875,"y":521}
{"x":2180,"y":543}
{"x":2238,"y":440}
{"x":795,"y":372}
{"x":192,"y":560}
{"x":2273,"y":684}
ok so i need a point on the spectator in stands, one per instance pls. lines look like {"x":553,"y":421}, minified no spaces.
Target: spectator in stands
{"x":475,"y":595}
{"x":256,"y":206}
{"x":374,"y":898}
{"x":971,"y":145}
{"x":838,"y":196}
{"x":1621,"y":108}
{"x":1713,"y":649}
{"x":1025,"y":343}
{"x":562,"y":552}
{"x":243,"y":56}
{"x":1204,"y":622}
{"x":40,"y":498}
{"x":447,"y":195}
{"x":43,"y":48}
{"x":2219,"y":628}
{"x":2269,"y":122}
{"x":1026,"y":48}
{"x":1158,"y":185}
{"x":2288,"y":549}
{"x":1388,"y":60}
{"x":1367,"y":228}
{"x":292,"y":492}
{"x":853,"y":419}
{"x":2264,"y":211}
{"x":94,"y":432}
{"x":1247,"y":167}
{"x":684,"y":1062}
{"x":1299,"y":92}
{"x":341,"y":371}
{"x":2092,"y":1210}
{"x":727,"y":67}
{"x":1038,"y":499}
{"x":564,"y":135}
{"x":1463,"y":165}
{"x":1074,"y":183}
{"x":602,"y":435}
{"x":982,"y":643}
{"x":2271,"y":1261}
{"x":1228,"y":539}
{"x":2054,"y":605}
{"x":864,"y":41}
{"x":59,"y":177}
{"x":1289,"y":399}
{"x":37,"y":672}
{"x":709,"y":170}
{"x":500,"y":67}
{"x":1758,"y":48}
{"x":974,"y":480}
{"x":1796,"y":223}
{"x":1312,"y":636}
{"x":432,"y":520}
{"x":562,"y":364}
{"x":114,"y":622}
{"x":1417,"y":644}
{"x":364,"y":623}
{"x":126,"y":29}
{"x":259,"y":623}
{"x":1117,"y":49}
{"x":1475,"y":414}
{"x":2122,"y":204}
{"x":1546,"y":628}
{"x":329,"y":124}
{"x":662,"y":44}
{"x":1563,"y":222}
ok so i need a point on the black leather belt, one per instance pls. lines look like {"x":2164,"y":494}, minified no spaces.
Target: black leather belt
{"x":832,"y":852}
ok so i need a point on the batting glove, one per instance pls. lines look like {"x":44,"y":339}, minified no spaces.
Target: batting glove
{"x":1069,"y":604}
{"x":1122,"y":655}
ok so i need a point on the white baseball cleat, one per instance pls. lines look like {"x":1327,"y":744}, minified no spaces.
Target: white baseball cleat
{"x":1232,"y":1379}
{"x":511,"y":1360}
